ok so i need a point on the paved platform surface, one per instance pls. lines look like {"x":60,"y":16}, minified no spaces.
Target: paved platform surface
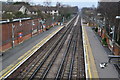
{"x":13,"y":54}
{"x":100,"y":55}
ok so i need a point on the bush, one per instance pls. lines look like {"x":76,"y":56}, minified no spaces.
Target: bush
{"x":104,"y":42}
{"x":96,"y":29}
{"x":19,"y":14}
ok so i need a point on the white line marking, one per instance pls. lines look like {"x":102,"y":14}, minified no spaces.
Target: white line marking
{"x":84,"y":45}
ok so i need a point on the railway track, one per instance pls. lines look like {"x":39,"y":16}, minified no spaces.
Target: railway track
{"x":70,"y":67}
{"x":61,"y":57}
{"x":48,"y":61}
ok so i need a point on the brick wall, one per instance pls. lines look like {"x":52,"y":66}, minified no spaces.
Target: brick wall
{"x":116,"y":49}
{"x":28,"y":28}
{"x":24,"y":26}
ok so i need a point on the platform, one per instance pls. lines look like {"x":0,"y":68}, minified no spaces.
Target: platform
{"x":96,"y":54}
{"x":16,"y":63}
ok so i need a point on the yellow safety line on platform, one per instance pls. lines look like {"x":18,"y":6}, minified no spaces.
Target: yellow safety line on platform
{"x":88,"y":62}
{"x":21,"y":59}
{"x":92,"y":70}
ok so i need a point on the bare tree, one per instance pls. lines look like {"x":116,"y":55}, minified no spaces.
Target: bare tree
{"x":58,"y":4}
{"x":110,"y":10}
{"x":47,"y":2}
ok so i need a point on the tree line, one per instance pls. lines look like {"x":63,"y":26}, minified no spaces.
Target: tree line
{"x":109,"y":11}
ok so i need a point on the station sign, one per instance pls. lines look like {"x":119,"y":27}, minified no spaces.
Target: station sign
{"x":20,"y":34}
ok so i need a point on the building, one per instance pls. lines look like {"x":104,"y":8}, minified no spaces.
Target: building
{"x":51,"y":10}
{"x":10,"y":9}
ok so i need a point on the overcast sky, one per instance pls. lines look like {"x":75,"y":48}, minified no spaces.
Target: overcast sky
{"x":79,"y":3}
{"x":57,"y":0}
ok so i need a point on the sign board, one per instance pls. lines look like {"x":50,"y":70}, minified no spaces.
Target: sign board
{"x":20,"y":34}
{"x":34,"y":31}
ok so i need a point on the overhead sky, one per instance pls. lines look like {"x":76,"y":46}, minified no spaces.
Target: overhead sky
{"x":57,"y":0}
{"x":79,"y":3}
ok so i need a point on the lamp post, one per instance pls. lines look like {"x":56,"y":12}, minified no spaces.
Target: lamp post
{"x":38,"y":26}
{"x":32,"y":27}
{"x":53,"y":20}
{"x":112,"y":32}
{"x":13,"y":35}
{"x":118,"y":28}
{"x":63,"y":19}
{"x":42,"y":22}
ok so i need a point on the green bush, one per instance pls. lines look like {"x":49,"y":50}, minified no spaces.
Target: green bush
{"x":96,"y":29}
{"x":104,"y":42}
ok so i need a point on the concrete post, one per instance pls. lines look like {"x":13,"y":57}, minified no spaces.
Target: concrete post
{"x":13,"y":36}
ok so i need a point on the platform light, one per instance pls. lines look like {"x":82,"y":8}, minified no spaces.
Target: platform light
{"x":117,"y":17}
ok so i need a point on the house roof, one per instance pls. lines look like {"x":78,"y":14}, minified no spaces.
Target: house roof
{"x":69,"y":9}
{"x":31,"y":8}
{"x":11,"y":8}
{"x":15,"y":8}
{"x":40,"y":8}
{"x":43,"y":8}
{"x":52,"y":8}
